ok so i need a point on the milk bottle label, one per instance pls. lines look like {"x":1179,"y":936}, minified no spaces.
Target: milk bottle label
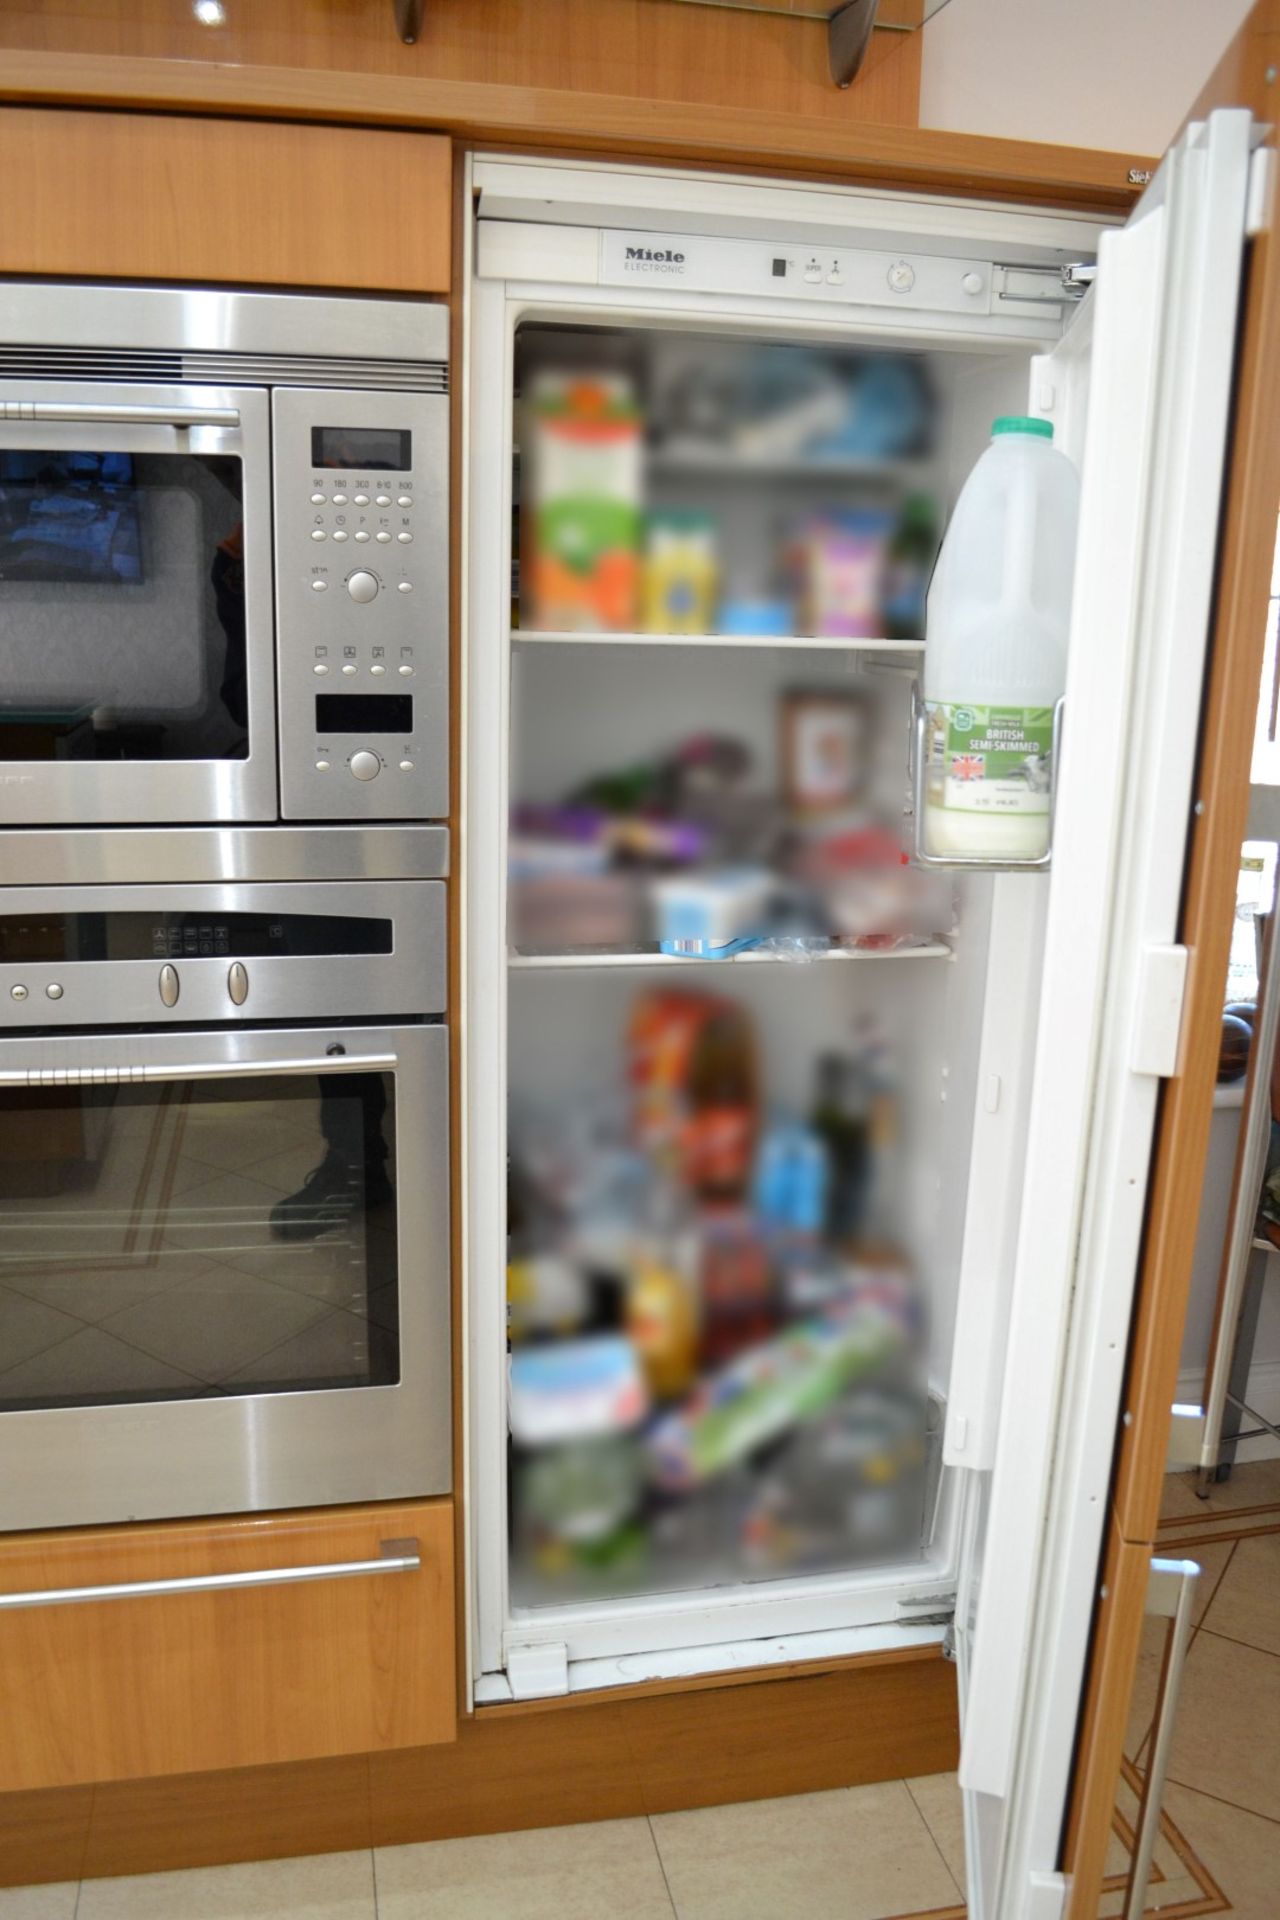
{"x":988,"y":759}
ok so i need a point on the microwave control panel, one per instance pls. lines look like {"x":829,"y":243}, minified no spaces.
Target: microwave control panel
{"x":362,"y":604}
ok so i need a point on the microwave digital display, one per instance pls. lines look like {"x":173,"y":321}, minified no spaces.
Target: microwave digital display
{"x":362,"y":449}
{"x":172,"y":935}
{"x":364,"y":713}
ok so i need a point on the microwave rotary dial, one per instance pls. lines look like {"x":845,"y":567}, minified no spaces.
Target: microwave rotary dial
{"x":363,"y":587}
{"x":365,"y":765}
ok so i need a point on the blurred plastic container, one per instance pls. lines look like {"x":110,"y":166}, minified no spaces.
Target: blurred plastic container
{"x":995,"y":664}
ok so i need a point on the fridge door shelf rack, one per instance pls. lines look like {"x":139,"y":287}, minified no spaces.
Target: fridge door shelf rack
{"x":1040,"y":863}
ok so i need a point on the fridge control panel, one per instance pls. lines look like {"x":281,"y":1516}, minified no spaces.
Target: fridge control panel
{"x":848,"y":276}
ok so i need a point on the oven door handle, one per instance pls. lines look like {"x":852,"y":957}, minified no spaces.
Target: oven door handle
{"x":126,"y":1076}
{"x":104,"y":414}
{"x":394,"y":1556}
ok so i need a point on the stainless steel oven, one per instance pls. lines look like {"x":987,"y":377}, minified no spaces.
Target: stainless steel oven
{"x":223,"y":557}
{"x":224,"y":1195}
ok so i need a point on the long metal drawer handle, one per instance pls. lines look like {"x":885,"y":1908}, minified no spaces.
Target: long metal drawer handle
{"x":1171,"y":1588}
{"x":394,"y":1556}
{"x":192,"y":1070}
{"x":102,"y":412}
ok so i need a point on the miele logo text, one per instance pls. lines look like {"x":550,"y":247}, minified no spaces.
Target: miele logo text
{"x":653,"y":259}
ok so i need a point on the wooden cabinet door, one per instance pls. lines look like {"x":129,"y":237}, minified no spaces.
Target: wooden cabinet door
{"x":294,"y":1657}
{"x":136,"y":196}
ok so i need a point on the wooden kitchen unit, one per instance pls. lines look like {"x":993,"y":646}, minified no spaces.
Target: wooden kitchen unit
{"x":306,"y":1664}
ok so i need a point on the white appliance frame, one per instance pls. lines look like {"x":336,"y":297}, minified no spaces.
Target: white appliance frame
{"x":865,"y":1606}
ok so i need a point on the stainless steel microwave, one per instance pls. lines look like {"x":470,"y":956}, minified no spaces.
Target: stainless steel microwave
{"x":223,"y":557}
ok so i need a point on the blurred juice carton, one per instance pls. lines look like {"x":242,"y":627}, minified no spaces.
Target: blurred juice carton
{"x":583,"y":499}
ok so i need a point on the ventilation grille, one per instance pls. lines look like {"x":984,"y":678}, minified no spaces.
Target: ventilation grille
{"x":222,"y":369}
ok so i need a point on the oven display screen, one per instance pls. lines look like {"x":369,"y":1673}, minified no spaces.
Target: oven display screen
{"x":364,"y":713}
{"x":362,"y":449}
{"x":190,"y":936}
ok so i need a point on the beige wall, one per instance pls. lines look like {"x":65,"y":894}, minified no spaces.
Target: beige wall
{"x":1090,"y":73}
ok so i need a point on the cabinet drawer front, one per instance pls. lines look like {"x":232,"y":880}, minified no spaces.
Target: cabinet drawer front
{"x":183,"y":1648}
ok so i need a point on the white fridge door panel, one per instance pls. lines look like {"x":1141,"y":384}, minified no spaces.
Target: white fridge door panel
{"x":1140,"y":384}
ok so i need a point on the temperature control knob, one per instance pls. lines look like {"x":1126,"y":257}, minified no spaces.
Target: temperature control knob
{"x":365,"y":765}
{"x":901,"y":276}
{"x":362,"y":587}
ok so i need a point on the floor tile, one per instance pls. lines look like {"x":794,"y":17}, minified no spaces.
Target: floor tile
{"x":1241,"y":1851}
{"x":54,"y":1902}
{"x":856,"y":1854}
{"x":340,"y":1347}
{"x":216,"y":1324}
{"x":608,"y":1868}
{"x":1255,"y":1484}
{"x":93,"y":1362}
{"x":1228,"y":1726}
{"x":1246,"y":1605}
{"x":28,"y":1327}
{"x":938,"y":1797}
{"x":322,"y":1886}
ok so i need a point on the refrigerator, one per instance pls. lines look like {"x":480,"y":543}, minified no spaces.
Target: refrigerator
{"x":803,"y":1180}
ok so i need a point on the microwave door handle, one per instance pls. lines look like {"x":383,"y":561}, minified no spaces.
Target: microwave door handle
{"x":124,"y":1076}
{"x":105,"y":414}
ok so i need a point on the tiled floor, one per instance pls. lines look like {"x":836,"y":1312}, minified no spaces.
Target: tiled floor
{"x":862,"y":1853}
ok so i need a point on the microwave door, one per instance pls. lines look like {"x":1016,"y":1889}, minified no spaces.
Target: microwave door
{"x":135,"y":605}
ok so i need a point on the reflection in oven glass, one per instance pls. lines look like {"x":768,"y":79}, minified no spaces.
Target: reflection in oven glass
{"x":190,"y":1239}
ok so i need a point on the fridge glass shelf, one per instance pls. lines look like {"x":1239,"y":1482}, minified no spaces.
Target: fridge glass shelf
{"x":781,"y":642}
{"x":750,"y":956}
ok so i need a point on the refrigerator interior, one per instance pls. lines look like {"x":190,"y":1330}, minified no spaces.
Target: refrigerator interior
{"x":737,"y":1187}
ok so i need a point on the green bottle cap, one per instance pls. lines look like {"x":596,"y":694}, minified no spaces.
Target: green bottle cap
{"x":1021,"y":423}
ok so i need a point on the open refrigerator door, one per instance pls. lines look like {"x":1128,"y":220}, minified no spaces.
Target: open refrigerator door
{"x":1073,"y":1053}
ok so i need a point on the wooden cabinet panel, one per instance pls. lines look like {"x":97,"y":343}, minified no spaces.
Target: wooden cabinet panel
{"x":229,"y":1677}
{"x":160,"y":197}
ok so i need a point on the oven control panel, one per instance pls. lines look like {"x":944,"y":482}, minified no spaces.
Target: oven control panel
{"x":361,"y":514}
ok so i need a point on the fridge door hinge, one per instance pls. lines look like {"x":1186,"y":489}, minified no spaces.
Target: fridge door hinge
{"x":1157,"y":1024}
{"x":1046,"y":1896}
{"x":538,"y":1672}
{"x":1260,"y":191}
{"x":1078,"y":276}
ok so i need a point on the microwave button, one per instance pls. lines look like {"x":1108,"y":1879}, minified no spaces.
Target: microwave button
{"x":377,"y":667}
{"x":349,"y":666}
{"x":341,"y":534}
{"x":238,"y":982}
{"x":365,"y":765}
{"x":383,"y":535}
{"x":318,"y":533}
{"x":362,"y":534}
{"x":406,"y":766}
{"x":362,"y":587}
{"x":169,"y":985}
{"x":322,"y":766}
{"x":54,"y":990}
{"x":383,"y":500}
{"x":319,"y":586}
{"x":339,"y":499}
{"x":320,"y":667}
{"x":404,"y":538}
{"x":405,"y":586}
{"x":317,"y":499}
{"x":405,"y":500}
{"x":18,"y":993}
{"x":361,"y":499}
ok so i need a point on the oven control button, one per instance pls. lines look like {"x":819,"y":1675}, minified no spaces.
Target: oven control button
{"x":362,"y":587}
{"x":377,"y":667}
{"x":322,"y":766}
{"x":238,"y":982}
{"x":365,"y":765}
{"x":349,"y":666}
{"x":318,"y":533}
{"x":339,"y":499}
{"x":319,"y":586}
{"x":18,"y":993}
{"x":361,"y":499}
{"x":317,"y":499}
{"x":169,"y":986}
{"x":54,"y":990}
{"x":404,"y":538}
{"x":404,"y":500}
{"x":406,"y":586}
{"x":361,"y":533}
{"x":382,"y":500}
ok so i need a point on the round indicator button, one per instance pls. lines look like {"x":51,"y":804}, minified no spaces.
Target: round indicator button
{"x":377,"y":667}
{"x":406,"y":668}
{"x":348,"y":666}
{"x":339,"y":499}
{"x":18,"y":993}
{"x":362,"y":535}
{"x":383,"y":536}
{"x":53,"y":990}
{"x":406,"y":766}
{"x":318,"y":533}
{"x":322,"y":766}
{"x":319,"y":586}
{"x":404,"y":538}
{"x":317,"y":499}
{"x":383,"y":499}
{"x":404,"y":586}
{"x":362,"y":587}
{"x":341,"y":534}
{"x":901,"y":276}
{"x":320,"y":667}
{"x":405,"y":500}
{"x":361,"y":499}
{"x":365,"y":765}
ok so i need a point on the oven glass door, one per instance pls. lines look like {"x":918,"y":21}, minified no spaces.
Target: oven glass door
{"x":257,"y":1235}
{"x":135,"y":602}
